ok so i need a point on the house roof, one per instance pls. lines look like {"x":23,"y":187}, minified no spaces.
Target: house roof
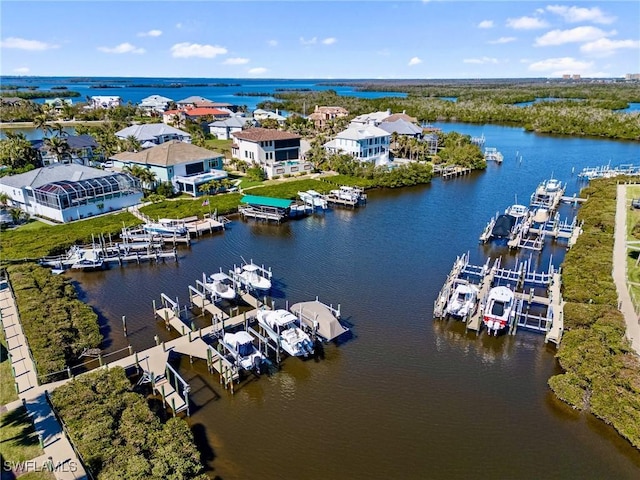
{"x":74,"y":142}
{"x":202,"y":111}
{"x":53,"y":173}
{"x":266,"y":201}
{"x":401,"y":127}
{"x":154,"y":100}
{"x":264,"y":134}
{"x":372,"y":117}
{"x":150,"y":131}
{"x":401,"y":116}
{"x":193,"y":99}
{"x":167,"y":154}
{"x":362,"y":132}
{"x":235,"y":122}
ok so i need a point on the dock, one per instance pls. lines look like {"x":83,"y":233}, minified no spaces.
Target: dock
{"x":491,"y":154}
{"x":451,"y":171}
{"x":524,"y":281}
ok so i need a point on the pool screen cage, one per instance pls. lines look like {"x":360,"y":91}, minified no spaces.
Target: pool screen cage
{"x":71,"y":193}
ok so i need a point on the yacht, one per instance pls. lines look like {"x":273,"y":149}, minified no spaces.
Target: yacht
{"x":283,"y":327}
{"x":240,"y":347}
{"x":463,"y":300}
{"x":499,"y":309}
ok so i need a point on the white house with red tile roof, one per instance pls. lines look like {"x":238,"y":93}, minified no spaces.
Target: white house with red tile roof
{"x":277,"y":152}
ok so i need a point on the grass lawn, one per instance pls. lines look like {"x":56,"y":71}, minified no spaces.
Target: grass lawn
{"x":7,"y":384}
{"x":18,"y":439}
{"x":220,"y":146}
{"x":633,"y":271}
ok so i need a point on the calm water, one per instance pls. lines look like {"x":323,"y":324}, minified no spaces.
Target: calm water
{"x":405,"y":396}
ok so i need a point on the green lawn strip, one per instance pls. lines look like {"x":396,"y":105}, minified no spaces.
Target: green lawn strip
{"x":117,"y":434}
{"x":7,"y":382}
{"x":34,"y":241}
{"x":224,"y":203}
{"x":57,"y":325}
{"x":220,"y":146}
{"x":18,"y":439}
{"x":602,"y":373}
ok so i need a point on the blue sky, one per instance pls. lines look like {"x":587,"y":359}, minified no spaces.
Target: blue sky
{"x":320,"y":39}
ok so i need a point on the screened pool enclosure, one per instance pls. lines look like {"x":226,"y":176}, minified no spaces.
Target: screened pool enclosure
{"x":66,"y":194}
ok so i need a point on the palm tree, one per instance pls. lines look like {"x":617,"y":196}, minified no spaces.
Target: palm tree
{"x":4,"y":199}
{"x":40,"y":123}
{"x":16,"y":214}
{"x":59,"y":147}
{"x":58,"y":130}
{"x":134,"y":170}
{"x":130,"y":144}
{"x":147,"y":178}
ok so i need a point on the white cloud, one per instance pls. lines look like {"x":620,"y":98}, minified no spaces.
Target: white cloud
{"x":236,"y":61}
{"x":21,"y":70}
{"x":559,"y":66}
{"x":604,"y":47}
{"x":486,"y":24}
{"x":122,"y":48}
{"x":311,"y":41}
{"x":23,"y":44}
{"x":414,"y":61}
{"x":273,"y":43}
{"x":329,"y":41}
{"x":188,"y":50}
{"x":526,"y":23}
{"x":257,"y":70}
{"x":481,"y":61}
{"x":578,"y":14}
{"x":150,"y":33}
{"x":502,"y":40}
{"x":578,"y":34}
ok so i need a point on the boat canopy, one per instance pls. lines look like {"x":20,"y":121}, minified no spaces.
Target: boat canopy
{"x":328,"y":325}
{"x":220,"y":277}
{"x":266,"y":201}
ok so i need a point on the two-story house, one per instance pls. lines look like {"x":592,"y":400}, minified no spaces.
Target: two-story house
{"x":278,"y":153}
{"x":366,"y":143}
{"x":322,"y":115}
{"x":150,"y":134}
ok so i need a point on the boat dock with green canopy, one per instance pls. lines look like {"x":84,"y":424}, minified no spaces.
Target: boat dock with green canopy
{"x":265,"y":208}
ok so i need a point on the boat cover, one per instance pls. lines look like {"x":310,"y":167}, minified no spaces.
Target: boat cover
{"x":502,"y":227}
{"x":328,"y":325}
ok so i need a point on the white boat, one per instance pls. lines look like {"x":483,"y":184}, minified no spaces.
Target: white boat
{"x":552,"y":185}
{"x":84,"y":258}
{"x":240,"y":346}
{"x":311,"y":197}
{"x":463,"y":300}
{"x":517,"y":211}
{"x":253,"y":276}
{"x":165,"y":227}
{"x":220,"y":285}
{"x":351,"y":194}
{"x":548,"y":194}
{"x":283,"y":327}
{"x":499,"y":309}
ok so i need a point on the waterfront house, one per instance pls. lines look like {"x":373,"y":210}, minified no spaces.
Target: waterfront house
{"x":259,"y":114}
{"x":366,"y":143}
{"x":67,"y":192}
{"x":83,"y":150}
{"x":154,"y":104}
{"x":198,"y":113}
{"x":321,"y":116}
{"x":102,"y":101}
{"x":278,"y":153}
{"x":401,"y":127}
{"x":373,"y":118}
{"x":186,"y":166}
{"x":57,"y":104}
{"x":150,"y":134}
{"x":223,"y":129}
{"x":193,"y":101}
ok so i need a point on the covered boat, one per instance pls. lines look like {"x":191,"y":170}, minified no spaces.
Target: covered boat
{"x":462,"y":301}
{"x":321,"y":318}
{"x":503,"y":226}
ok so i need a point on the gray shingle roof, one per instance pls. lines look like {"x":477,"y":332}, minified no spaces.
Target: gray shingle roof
{"x":53,"y":173}
{"x":166,"y":154}
{"x":150,"y":131}
{"x":401,"y":127}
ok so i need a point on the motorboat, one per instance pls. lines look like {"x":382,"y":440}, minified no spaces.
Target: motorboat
{"x":311,"y":197}
{"x":240,"y":347}
{"x":551,"y":185}
{"x":253,"y":276}
{"x":220,"y":285}
{"x":319,"y":319}
{"x":463,"y":300}
{"x":165,"y":227}
{"x":84,"y":258}
{"x":547,"y":194}
{"x":503,"y":226}
{"x":499,"y":309}
{"x":517,"y":211}
{"x":283,"y":328}
{"x":351,"y":194}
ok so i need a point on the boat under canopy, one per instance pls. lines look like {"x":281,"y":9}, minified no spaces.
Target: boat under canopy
{"x":315,"y":311}
{"x":502,"y":227}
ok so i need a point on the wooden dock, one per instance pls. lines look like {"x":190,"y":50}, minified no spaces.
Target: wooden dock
{"x":475,"y":320}
{"x":447,"y":172}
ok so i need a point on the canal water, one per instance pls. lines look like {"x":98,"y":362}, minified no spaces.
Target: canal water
{"x":403,"y":396}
